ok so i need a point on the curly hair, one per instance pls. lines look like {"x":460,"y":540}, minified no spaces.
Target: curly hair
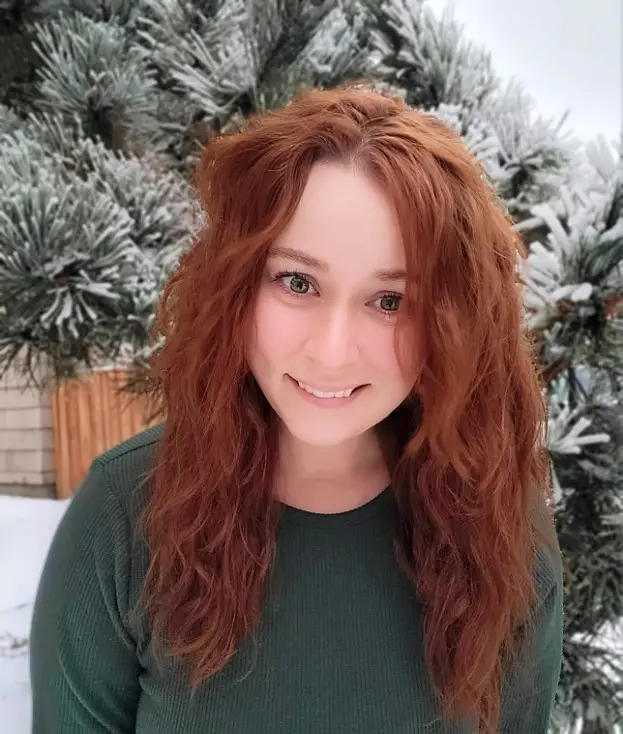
{"x":471,"y":466}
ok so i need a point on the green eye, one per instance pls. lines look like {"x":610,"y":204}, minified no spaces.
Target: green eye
{"x":295,"y":284}
{"x":298,"y":284}
{"x":389,"y":302}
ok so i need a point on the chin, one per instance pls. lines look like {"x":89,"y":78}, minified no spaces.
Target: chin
{"x":323,"y":436}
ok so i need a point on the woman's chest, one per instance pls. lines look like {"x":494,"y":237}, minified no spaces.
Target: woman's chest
{"x":332,"y":655}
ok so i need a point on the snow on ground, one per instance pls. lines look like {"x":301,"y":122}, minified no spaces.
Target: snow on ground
{"x":26,"y":530}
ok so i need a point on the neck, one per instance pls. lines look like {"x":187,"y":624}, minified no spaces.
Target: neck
{"x":329,"y":479}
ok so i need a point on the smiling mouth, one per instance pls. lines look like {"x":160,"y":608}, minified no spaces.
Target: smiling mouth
{"x":325,"y":394}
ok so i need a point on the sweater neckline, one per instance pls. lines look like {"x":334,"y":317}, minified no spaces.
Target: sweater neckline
{"x":364,"y":512}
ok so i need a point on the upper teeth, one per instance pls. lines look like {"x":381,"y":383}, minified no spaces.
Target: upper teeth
{"x":320,"y":394}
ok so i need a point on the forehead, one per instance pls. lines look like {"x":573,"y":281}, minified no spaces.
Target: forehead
{"x":346,"y":220}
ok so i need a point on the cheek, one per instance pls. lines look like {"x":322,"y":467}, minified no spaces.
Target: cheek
{"x":380,"y":351}
{"x":277,"y":328}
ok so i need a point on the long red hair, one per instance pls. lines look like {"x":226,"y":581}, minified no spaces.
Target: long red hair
{"x":470,"y":467}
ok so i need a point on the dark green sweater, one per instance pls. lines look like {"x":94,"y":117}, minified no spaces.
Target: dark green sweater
{"x":339,"y":648}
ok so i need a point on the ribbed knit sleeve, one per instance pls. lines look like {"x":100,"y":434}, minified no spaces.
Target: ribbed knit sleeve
{"x":84,"y":669}
{"x":529,"y":699}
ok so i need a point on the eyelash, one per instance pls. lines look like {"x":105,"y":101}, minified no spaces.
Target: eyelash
{"x":279,"y":278}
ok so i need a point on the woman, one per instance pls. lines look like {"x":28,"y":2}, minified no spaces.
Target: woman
{"x":342,"y":524}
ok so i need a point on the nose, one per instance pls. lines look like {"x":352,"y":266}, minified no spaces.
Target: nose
{"x":332,"y":340}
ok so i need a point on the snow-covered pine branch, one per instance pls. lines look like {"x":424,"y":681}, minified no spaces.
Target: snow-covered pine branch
{"x":90,"y":70}
{"x":86,"y":235}
{"x":428,"y":56}
{"x":573,"y":275}
{"x":534,"y":153}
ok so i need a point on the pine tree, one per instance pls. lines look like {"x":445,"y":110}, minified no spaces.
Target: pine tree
{"x":104,"y":107}
{"x":573,"y":278}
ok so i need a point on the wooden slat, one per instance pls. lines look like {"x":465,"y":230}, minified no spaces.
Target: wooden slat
{"x":90,"y":417}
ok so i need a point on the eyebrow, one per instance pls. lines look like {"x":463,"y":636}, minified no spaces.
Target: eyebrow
{"x":311,"y":262}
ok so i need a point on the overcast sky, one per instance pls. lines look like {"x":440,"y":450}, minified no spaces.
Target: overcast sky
{"x":568,"y":54}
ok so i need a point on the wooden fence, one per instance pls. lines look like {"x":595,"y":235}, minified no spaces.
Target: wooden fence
{"x":89,"y":417}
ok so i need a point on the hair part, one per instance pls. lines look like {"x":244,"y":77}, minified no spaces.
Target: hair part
{"x":470,"y":467}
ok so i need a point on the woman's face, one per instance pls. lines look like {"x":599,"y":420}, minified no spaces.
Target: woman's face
{"x":323,"y":348}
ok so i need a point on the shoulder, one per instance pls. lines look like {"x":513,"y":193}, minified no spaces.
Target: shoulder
{"x":548,"y":565}
{"x":124,"y":471}
{"x":95,"y":554}
{"x":96,"y":531}
{"x":548,"y":579}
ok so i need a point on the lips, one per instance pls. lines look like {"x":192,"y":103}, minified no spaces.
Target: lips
{"x":326,"y":393}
